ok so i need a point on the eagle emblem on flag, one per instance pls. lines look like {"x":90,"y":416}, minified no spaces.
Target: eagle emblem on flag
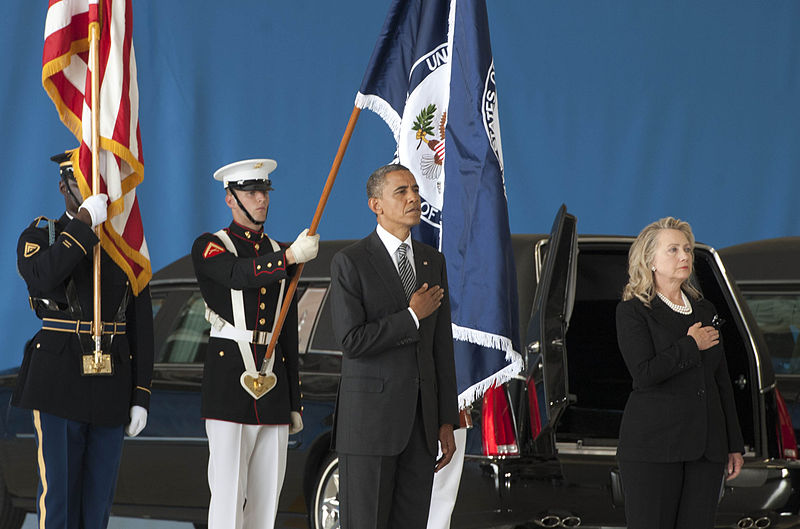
{"x":431,"y":163}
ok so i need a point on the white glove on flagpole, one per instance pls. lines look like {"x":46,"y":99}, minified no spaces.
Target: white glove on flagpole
{"x":138,"y":421}
{"x":305,"y":247}
{"x":297,"y":423}
{"x":97,"y":207}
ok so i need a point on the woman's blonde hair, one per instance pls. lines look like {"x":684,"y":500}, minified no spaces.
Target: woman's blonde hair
{"x":640,"y":261}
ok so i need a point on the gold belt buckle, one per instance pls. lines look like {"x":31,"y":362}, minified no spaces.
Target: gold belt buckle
{"x":260,"y":337}
{"x":97,"y":363}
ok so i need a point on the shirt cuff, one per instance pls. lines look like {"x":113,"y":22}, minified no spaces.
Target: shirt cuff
{"x":416,"y":320}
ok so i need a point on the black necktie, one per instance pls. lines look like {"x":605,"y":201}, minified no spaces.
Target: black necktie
{"x":406,"y":272}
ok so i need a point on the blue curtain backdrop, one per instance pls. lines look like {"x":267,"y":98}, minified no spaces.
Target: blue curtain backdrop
{"x":626,"y":111}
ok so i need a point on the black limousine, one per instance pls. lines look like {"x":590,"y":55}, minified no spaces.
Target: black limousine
{"x":768,"y":276}
{"x":542,"y":449}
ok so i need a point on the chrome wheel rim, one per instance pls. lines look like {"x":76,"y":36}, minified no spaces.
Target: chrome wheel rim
{"x":328,"y":497}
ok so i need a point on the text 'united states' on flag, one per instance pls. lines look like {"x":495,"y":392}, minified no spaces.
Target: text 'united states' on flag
{"x":67,"y":77}
{"x":431,"y":79}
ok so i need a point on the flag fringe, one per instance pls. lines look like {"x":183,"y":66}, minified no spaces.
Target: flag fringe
{"x":476,"y":391}
{"x":383,"y":109}
{"x":54,"y":66}
{"x":485,"y":339}
{"x":492,"y":341}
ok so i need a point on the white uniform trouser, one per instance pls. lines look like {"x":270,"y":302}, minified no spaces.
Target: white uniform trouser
{"x":445,"y":485}
{"x":246,"y":462}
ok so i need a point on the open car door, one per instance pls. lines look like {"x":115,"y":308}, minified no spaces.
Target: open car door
{"x":546,"y":360}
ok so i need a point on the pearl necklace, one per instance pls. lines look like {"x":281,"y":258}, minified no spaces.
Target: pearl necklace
{"x":685,"y":309}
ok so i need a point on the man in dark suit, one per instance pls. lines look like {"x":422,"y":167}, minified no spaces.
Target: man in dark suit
{"x":397,"y":395}
{"x":78,"y":419}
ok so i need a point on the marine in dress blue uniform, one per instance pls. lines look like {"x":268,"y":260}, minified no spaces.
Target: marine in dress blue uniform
{"x":248,"y":436}
{"x":79,"y":420}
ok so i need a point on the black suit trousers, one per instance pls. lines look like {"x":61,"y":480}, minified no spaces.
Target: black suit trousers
{"x":679,"y":495}
{"x":388,"y":492}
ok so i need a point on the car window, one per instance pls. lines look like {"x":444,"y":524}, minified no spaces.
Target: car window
{"x":307,"y":311}
{"x":323,"y":340}
{"x":778,"y":317}
{"x":186,"y":342}
{"x":157,"y":302}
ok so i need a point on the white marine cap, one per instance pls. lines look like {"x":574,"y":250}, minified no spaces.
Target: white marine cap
{"x":247,"y":172}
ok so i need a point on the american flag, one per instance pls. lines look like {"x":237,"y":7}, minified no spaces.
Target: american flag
{"x":67,"y":78}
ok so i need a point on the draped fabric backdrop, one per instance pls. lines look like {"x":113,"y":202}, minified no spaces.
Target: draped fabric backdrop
{"x":626,"y":111}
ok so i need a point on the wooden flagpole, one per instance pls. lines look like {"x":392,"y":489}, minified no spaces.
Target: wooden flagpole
{"x":326,"y":191}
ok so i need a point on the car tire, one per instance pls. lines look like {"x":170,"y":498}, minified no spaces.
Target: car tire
{"x":11,"y":517}
{"x":324,"y":513}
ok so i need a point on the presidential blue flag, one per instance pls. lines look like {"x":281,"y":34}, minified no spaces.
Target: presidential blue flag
{"x":431,"y":78}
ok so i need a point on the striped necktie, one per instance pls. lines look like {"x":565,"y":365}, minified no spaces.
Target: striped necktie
{"x":406,"y":272}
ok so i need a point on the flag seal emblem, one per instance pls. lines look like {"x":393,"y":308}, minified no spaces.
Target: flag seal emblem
{"x":431,"y":163}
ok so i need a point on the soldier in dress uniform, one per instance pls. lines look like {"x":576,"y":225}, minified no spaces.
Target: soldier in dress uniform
{"x":79,"y":419}
{"x":242,"y":275}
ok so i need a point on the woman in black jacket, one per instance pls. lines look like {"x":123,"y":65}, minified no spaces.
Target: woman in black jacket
{"x":680,"y":435}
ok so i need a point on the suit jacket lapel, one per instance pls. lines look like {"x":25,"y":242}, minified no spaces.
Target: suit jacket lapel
{"x":665,"y":316}
{"x":383,"y":265}
{"x":421,"y":264}
{"x":668,"y":318}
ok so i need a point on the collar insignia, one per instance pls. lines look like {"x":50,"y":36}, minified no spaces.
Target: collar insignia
{"x":212,"y":249}
{"x":30,"y":249}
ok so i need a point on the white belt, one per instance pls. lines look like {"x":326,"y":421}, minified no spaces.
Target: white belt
{"x":222,"y":329}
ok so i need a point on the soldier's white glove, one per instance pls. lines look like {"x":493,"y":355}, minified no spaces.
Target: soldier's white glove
{"x":138,"y":421}
{"x":297,"y":422}
{"x":305,"y":247}
{"x":97,"y":208}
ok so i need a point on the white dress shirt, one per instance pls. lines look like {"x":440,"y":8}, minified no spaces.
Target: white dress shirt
{"x":392,"y":243}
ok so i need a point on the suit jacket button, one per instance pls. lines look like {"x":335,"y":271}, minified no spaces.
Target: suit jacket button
{"x":701,"y":393}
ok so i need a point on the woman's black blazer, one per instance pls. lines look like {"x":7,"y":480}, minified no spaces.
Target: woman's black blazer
{"x":681,"y":407}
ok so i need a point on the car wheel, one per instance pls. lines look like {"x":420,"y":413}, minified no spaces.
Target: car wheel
{"x":10,"y":517}
{"x":325,"y":507}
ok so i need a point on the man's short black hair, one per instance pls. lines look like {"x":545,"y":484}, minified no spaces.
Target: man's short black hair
{"x":378,"y":177}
